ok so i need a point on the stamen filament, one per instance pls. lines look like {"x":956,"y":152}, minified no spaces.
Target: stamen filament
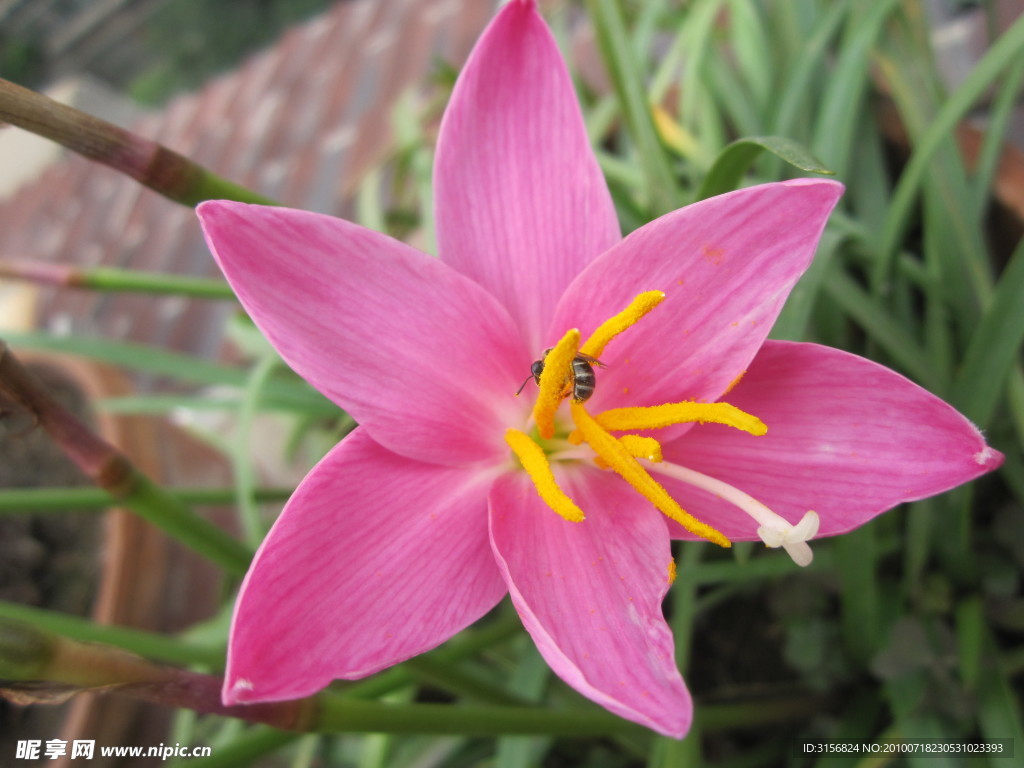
{"x":657,"y":416}
{"x":557,"y":366}
{"x":613,"y":326}
{"x":618,"y":458}
{"x":532,"y":457}
{"x":773,"y":529}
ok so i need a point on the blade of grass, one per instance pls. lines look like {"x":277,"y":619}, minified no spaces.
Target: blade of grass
{"x":999,"y":709}
{"x":797,"y":93}
{"x":177,"y":366}
{"x":16,"y":501}
{"x":151,"y":645}
{"x":856,"y":555}
{"x":616,"y":51}
{"x":835,"y":129}
{"x":241,"y":456}
{"x":881,"y":328}
{"x":994,"y":347}
{"x":531,"y":678}
{"x":1002,"y":54}
{"x":997,"y":124}
{"x":752,"y":53}
{"x":793,"y":321}
{"x":732,"y":96}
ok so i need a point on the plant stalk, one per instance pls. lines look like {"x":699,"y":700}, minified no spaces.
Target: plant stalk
{"x":115,"y":280}
{"x":157,"y":167}
{"x":111,"y":470}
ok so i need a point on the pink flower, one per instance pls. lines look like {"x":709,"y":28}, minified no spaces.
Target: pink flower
{"x":452,"y":493}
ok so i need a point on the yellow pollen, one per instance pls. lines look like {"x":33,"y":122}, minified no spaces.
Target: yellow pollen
{"x":734,"y":382}
{"x":532,"y":457}
{"x":618,"y":458}
{"x":613,"y":326}
{"x":637,"y":445}
{"x":657,"y":416}
{"x":557,"y":368}
{"x":671,"y":571}
{"x":642,"y":447}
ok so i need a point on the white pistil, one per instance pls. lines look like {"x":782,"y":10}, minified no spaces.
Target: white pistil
{"x":774,"y":530}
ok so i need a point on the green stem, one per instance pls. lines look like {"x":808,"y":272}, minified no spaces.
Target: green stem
{"x":259,"y":741}
{"x":16,"y":501}
{"x":461,"y":682}
{"x":112,"y":280}
{"x":31,"y":655}
{"x":670,"y":752}
{"x":111,"y":469}
{"x":340,"y":715}
{"x":241,"y":459}
{"x":148,"y":644}
{"x":149,"y":163}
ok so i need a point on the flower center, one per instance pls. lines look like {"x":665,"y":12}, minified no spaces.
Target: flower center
{"x":630,"y":455}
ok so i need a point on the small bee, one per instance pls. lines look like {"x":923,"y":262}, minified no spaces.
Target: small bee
{"x":581,"y":380}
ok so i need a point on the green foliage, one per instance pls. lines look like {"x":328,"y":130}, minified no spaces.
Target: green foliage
{"x":191,"y":40}
{"x":912,"y":626}
{"x":21,"y":61}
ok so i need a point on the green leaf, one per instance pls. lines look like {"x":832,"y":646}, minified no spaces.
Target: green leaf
{"x":148,"y":644}
{"x":283,"y":393}
{"x":836,"y":124}
{"x":734,"y":161}
{"x":1005,"y":52}
{"x":617,"y":53}
{"x":994,"y":347}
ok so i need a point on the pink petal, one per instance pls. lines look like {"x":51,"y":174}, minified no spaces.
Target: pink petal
{"x":727,"y":265}
{"x":421,"y":356}
{"x":590,"y":593}
{"x":847,"y":438}
{"x":376,"y":558}
{"x":522,"y":205}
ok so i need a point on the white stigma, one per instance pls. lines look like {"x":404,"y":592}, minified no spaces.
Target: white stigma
{"x":792,"y":538}
{"x":774,"y":530}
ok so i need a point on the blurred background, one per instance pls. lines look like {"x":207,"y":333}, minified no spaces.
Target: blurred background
{"x":911,"y":627}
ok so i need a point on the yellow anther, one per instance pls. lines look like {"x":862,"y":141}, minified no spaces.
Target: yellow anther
{"x":618,"y":458}
{"x":613,"y":326}
{"x":657,"y":416}
{"x":557,"y":368}
{"x":532,"y":457}
{"x":671,"y":572}
{"x":642,"y":447}
{"x":637,"y":446}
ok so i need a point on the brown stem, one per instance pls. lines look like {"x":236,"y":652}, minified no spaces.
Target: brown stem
{"x":111,"y":470}
{"x":142,"y":159}
{"x":37,"y":668}
{"x":41,"y":272}
{"x":201,"y":693}
{"x":98,"y":459}
{"x":146,"y":161}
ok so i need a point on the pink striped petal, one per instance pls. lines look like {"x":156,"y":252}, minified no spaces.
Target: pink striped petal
{"x":376,"y":558}
{"x":521,"y":203}
{"x":590,"y":593}
{"x":847,"y":438}
{"x":727,"y":265}
{"x":420,"y":355}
